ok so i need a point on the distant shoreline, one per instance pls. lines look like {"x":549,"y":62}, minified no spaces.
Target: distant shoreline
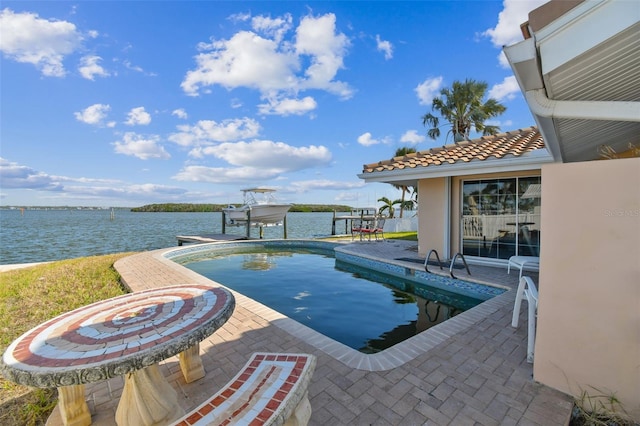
{"x":212,"y":208}
{"x":186,"y":208}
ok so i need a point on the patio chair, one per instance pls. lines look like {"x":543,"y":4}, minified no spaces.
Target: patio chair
{"x":378,"y":228}
{"x":356,"y":228}
{"x":527,"y":289}
{"x":521,"y":261}
{"x":367,"y":229}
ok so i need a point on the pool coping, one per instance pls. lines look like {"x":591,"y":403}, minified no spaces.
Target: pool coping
{"x":390,"y":358}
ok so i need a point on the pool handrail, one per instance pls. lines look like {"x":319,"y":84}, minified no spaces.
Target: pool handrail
{"x":426,"y":260}
{"x":453,"y":261}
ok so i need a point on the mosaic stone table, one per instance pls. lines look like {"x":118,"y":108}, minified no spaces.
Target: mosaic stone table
{"x":126,"y":335}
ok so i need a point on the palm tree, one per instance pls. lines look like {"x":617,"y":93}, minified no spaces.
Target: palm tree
{"x":388,"y":206}
{"x":401,"y":152}
{"x":463,"y":108}
{"x":406,"y":205}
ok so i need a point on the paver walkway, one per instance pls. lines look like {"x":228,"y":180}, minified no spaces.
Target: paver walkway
{"x":471,"y":369}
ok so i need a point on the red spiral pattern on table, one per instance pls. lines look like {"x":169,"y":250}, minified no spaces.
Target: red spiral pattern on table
{"x":117,"y":328}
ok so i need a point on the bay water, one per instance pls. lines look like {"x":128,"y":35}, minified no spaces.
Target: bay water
{"x":44,"y":235}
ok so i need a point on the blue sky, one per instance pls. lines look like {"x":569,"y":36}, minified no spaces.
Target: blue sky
{"x":126,"y":103}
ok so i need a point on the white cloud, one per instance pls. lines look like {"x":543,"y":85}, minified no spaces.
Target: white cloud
{"x":94,"y":115}
{"x":180,"y":113}
{"x":506,"y":123}
{"x":207,"y":132}
{"x":286,"y":107}
{"x":428,"y":89}
{"x":273,"y":27}
{"x":507,"y":30}
{"x":264,"y":154}
{"x":385,"y":46}
{"x":514,"y":13}
{"x":272,"y":63}
{"x":508,"y":89}
{"x":324,"y":184}
{"x":16,"y":176}
{"x":128,"y":65}
{"x":366,"y":139}
{"x":503,"y":61}
{"x":255,"y":161}
{"x":133,"y":193}
{"x":138,"y":116}
{"x":348,"y":197}
{"x":239,"y":17}
{"x":225,"y":175}
{"x":141,"y":147}
{"x":317,"y":37}
{"x":27,"y":38}
{"x":87,"y":180}
{"x":154,"y":189}
{"x":89,"y":67}
{"x":412,"y":137}
{"x":245,"y":60}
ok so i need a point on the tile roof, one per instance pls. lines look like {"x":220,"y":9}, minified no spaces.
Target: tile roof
{"x":513,"y":143}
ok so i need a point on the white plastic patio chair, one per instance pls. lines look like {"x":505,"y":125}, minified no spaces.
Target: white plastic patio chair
{"x":520,"y":262}
{"x":526,"y":288}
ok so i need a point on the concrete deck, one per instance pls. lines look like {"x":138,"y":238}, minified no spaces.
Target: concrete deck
{"x":471,"y":369}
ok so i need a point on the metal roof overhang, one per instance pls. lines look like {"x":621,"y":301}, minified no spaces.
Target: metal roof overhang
{"x":410,"y":177}
{"x":581,"y":78}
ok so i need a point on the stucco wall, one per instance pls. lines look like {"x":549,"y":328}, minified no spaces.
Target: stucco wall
{"x":431,"y":215}
{"x":589,"y":308}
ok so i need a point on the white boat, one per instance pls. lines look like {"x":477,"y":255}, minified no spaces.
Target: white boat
{"x":259,"y":207}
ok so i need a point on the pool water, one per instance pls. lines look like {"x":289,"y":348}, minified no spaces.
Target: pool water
{"x":367,"y":311}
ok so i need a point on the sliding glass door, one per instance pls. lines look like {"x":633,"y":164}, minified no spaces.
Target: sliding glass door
{"x":501,"y":217}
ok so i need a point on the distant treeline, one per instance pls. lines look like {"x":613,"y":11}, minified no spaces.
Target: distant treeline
{"x":207,"y":208}
{"x":319,"y":208}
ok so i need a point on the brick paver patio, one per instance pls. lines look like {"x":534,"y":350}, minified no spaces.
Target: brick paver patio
{"x":471,"y":369}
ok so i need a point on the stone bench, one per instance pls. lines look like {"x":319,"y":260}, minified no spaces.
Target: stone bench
{"x":271,"y":389}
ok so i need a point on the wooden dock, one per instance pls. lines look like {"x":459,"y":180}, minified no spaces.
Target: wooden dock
{"x":347,"y":223}
{"x":208,"y":238}
{"x":360,"y":213}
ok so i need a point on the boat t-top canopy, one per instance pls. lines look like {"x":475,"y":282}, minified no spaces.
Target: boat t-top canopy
{"x":259,"y":190}
{"x":266,"y":196}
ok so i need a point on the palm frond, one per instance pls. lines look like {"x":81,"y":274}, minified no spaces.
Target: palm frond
{"x":463,"y":107}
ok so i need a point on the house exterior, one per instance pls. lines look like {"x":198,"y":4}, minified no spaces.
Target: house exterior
{"x":480,"y":197}
{"x":579,"y":70}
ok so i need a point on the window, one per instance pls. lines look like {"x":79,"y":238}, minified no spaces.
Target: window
{"x":501,"y":217}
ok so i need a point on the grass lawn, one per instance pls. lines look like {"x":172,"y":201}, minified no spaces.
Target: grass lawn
{"x":408,"y":236}
{"x":30,"y":296}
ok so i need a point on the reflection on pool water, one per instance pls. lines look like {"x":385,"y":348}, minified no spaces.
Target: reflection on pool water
{"x":366,"y":310}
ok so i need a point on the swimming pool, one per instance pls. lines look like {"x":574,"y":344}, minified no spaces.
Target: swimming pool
{"x":364,"y":309}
